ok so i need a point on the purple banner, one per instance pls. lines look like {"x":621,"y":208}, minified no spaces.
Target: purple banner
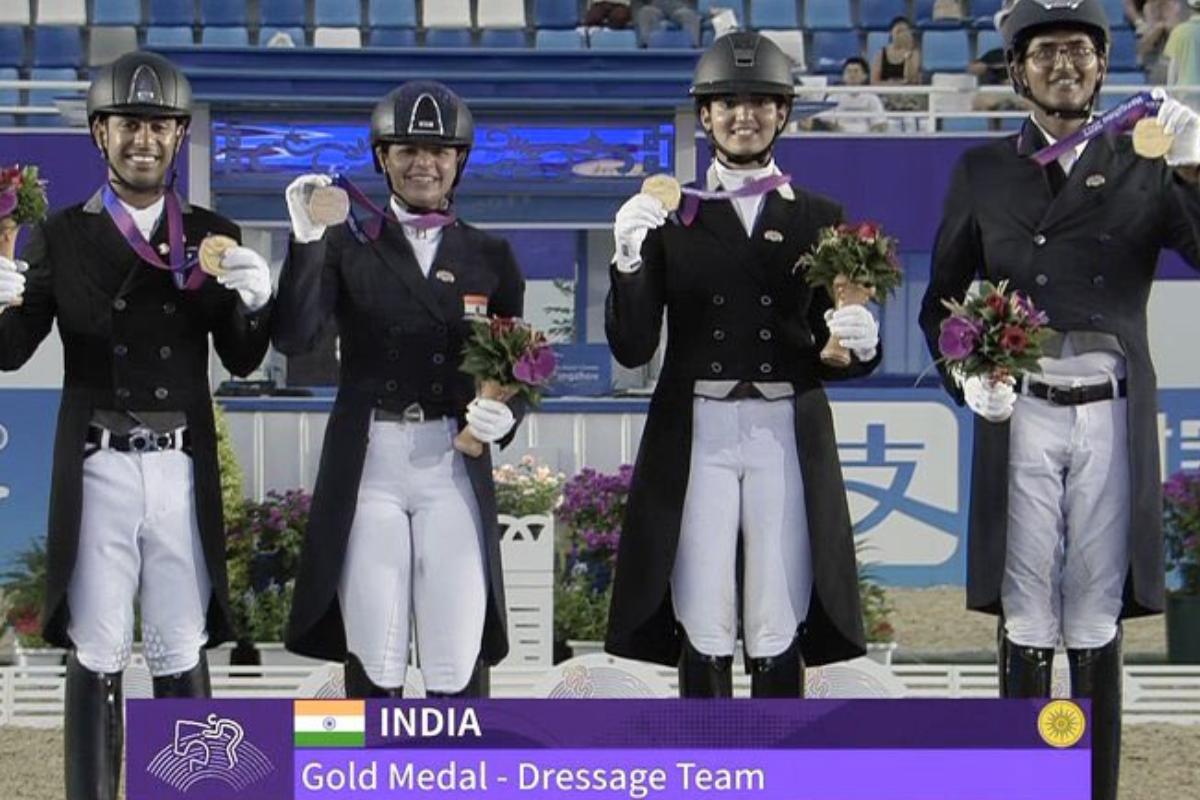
{"x":765,"y":749}
{"x":684,"y":774}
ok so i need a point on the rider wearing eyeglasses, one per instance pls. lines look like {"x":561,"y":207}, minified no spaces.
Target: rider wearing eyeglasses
{"x":1065,"y":534}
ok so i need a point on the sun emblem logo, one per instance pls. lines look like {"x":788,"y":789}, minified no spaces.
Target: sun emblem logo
{"x":1061,"y":723}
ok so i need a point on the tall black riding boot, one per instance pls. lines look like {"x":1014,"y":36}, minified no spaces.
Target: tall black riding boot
{"x":193,"y":683}
{"x":478,"y":685}
{"x":778,"y":676}
{"x":1096,"y":674}
{"x":94,"y":732}
{"x":358,"y":685}
{"x":702,"y":675}
{"x":1024,"y":671}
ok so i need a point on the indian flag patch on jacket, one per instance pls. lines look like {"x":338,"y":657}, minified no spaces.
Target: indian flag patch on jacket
{"x":330,"y":723}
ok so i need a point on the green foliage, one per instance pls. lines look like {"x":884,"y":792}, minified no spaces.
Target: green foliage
{"x":24,"y":590}
{"x":262,"y":559}
{"x":232,"y":477}
{"x":579,"y":612}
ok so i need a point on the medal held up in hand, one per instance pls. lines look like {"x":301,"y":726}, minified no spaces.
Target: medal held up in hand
{"x":212,"y":250}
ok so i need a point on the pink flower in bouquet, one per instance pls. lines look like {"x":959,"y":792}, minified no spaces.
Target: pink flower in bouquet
{"x":536,"y":366}
{"x":959,"y":336}
{"x":1013,"y":339}
{"x":867,"y":231}
{"x":995,"y":301}
{"x":1024,"y":308}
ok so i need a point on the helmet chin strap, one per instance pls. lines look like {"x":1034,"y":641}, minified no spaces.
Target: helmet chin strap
{"x":117,"y":179}
{"x":759,"y":159}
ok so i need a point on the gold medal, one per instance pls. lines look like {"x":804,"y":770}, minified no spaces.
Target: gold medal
{"x":212,"y":250}
{"x":328,"y":205}
{"x":665,"y":189}
{"x":1150,"y":140}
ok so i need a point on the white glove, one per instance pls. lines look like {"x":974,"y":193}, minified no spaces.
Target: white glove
{"x":12,"y":281}
{"x":489,"y":420}
{"x":297,"y":194}
{"x":855,"y":327}
{"x":993,"y":401}
{"x":248,"y":275}
{"x":1184,"y":124}
{"x":634,"y":220}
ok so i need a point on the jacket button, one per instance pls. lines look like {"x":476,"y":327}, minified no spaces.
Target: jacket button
{"x":393,"y":355}
{"x":164,"y":352}
{"x":765,"y":369}
{"x":765,"y":300}
{"x":765,"y":334}
{"x":1096,"y":319}
{"x":718,"y":299}
{"x":719,"y":335}
{"x":168,"y":308}
{"x":391,"y":386}
{"x":122,"y":392}
{"x":161,"y":393}
{"x":716,"y":367}
{"x":120,"y":350}
{"x":1098,"y":281}
{"x":436,"y":388}
{"x":438,"y":358}
{"x":1041,"y":279}
{"x":119,"y":304}
{"x":1039,"y":239}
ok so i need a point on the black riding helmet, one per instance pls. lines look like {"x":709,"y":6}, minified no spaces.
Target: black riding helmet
{"x":140,"y":85}
{"x":423,"y":113}
{"x":743,"y":63}
{"x":1027,"y":18}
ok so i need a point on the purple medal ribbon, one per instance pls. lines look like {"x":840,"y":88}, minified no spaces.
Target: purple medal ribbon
{"x":1119,"y":117}
{"x":186,"y":274}
{"x":373,"y":227}
{"x":692,"y":196}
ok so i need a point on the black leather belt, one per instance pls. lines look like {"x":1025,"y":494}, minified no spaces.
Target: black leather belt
{"x":1074,"y":395}
{"x":139,"y":440}
{"x":414,"y":412}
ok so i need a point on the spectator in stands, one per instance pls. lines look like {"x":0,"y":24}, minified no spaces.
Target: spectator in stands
{"x":856,"y":73}
{"x":898,"y":61}
{"x":136,"y":490}
{"x":402,"y":524}
{"x":1182,"y":52}
{"x":1153,"y":20}
{"x":1065,"y":534}
{"x":991,"y":69}
{"x":682,"y":12}
{"x":738,"y":466}
{"x":608,"y":14}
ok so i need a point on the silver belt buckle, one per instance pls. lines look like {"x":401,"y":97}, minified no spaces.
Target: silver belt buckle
{"x":143,"y":440}
{"x":414,"y":413}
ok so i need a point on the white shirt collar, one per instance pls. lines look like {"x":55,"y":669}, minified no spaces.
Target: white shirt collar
{"x":716,"y":169}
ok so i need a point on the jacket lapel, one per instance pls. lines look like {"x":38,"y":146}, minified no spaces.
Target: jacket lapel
{"x":774,"y":237}
{"x":114,"y":260}
{"x":1083,"y":189}
{"x":397,"y":256}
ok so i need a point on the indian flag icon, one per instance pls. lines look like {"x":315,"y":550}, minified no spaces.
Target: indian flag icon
{"x":330,"y":723}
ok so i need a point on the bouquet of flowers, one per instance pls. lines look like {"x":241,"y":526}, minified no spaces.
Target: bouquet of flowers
{"x":855,"y":264}
{"x":994,"y":333}
{"x":22,"y":201}
{"x":1181,"y":529}
{"x":507,"y":357}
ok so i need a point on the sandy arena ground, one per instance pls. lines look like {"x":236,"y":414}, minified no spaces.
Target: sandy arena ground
{"x":1160,"y":762}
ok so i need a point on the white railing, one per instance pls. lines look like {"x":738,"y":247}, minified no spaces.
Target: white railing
{"x":33,"y":696}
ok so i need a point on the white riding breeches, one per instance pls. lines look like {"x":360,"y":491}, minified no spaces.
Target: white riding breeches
{"x":1068,"y":520}
{"x":415,"y":551}
{"x":138,"y":529}
{"x":744,"y":475}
